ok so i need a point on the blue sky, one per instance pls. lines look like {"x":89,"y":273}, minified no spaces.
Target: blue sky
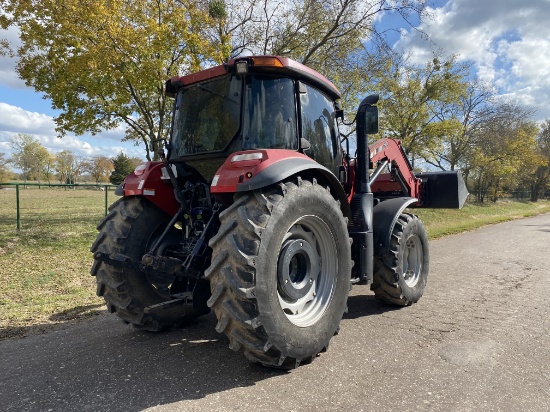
{"x":506,"y":40}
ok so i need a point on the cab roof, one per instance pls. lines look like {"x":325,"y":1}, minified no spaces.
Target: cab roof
{"x":257,"y":64}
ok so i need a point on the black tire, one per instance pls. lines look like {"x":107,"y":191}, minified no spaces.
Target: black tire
{"x":280,"y":273}
{"x":130,"y":228}
{"x":400,"y":276}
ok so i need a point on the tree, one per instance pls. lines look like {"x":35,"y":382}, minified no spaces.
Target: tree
{"x":329,"y":36}
{"x":68,"y":166}
{"x":122,"y":167}
{"x":100,"y":168}
{"x":30,"y":156}
{"x":105,"y":63}
{"x":5,"y":173}
{"x":314,"y":32}
{"x":411,"y":98}
{"x":538,"y":178}
{"x":456,"y":125}
{"x":503,"y":148}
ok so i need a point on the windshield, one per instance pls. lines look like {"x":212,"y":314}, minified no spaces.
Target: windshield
{"x":207,"y":116}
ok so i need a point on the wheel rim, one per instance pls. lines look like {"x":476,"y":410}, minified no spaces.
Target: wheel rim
{"x":412,"y":260}
{"x":306,"y":271}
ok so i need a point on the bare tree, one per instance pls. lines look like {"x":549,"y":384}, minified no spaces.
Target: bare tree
{"x":456,"y":126}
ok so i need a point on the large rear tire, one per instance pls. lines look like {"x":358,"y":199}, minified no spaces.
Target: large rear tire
{"x":280,"y":273}
{"x":400,"y":276}
{"x":130,"y":229}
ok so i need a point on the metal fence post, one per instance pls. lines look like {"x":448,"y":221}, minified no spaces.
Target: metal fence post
{"x":17,"y":206}
{"x":106,"y":195}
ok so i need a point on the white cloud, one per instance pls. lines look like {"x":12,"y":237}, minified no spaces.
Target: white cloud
{"x":15,"y":120}
{"x":8,"y":75}
{"x":507,"y":41}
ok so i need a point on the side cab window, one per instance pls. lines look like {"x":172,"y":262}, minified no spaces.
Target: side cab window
{"x":319,"y":127}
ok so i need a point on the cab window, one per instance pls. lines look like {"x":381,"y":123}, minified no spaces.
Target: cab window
{"x":319,"y":127}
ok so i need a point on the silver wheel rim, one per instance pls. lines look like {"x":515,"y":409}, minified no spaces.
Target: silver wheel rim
{"x":306,"y":271}
{"x":412,"y":260}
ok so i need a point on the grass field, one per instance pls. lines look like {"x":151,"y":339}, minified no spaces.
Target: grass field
{"x":44,"y":269}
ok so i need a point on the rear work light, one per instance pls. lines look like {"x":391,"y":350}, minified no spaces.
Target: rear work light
{"x":241,"y":67}
{"x":139,"y":170}
{"x":247,"y":156}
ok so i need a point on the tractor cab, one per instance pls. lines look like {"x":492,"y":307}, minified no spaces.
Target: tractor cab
{"x":252,"y":103}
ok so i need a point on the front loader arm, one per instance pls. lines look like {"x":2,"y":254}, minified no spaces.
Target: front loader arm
{"x":401,"y":178}
{"x":443,"y":189}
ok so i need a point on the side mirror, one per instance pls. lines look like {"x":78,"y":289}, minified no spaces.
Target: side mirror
{"x":367,"y":117}
{"x":371,"y":120}
{"x":367,"y":123}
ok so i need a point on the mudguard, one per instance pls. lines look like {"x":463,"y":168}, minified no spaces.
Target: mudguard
{"x":385,"y":214}
{"x":250,"y":170}
{"x":148,"y":181}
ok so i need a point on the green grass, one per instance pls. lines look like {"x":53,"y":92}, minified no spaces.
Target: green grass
{"x":441,"y":222}
{"x":44,"y":269}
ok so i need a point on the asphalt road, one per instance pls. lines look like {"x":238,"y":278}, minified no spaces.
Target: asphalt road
{"x":479,"y":340}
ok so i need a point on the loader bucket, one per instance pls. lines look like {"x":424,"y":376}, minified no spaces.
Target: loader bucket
{"x":443,"y":190}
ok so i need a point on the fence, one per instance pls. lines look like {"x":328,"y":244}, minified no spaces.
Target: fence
{"x":104,"y":187}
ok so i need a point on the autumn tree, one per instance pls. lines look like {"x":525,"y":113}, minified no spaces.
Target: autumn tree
{"x":68,"y":166}
{"x":105,"y":63}
{"x":5,"y":172}
{"x":30,"y":156}
{"x":503,"y":147}
{"x":100,"y":168}
{"x":538,"y":178}
{"x":412,"y":95}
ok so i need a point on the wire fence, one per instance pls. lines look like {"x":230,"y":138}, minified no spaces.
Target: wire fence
{"x":28,"y":208}
{"x":106,"y":188}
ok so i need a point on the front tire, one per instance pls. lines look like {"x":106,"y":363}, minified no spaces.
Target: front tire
{"x":400,"y":276}
{"x":280,"y":273}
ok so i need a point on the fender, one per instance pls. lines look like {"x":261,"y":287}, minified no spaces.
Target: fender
{"x":250,"y":170}
{"x":385,"y":214}
{"x":147,"y":181}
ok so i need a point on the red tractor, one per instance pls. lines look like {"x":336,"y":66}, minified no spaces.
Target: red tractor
{"x":257,"y":213}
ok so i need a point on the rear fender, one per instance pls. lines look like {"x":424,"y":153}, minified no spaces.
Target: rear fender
{"x":251,"y":170}
{"x":148,"y":181}
{"x":385,"y":214}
